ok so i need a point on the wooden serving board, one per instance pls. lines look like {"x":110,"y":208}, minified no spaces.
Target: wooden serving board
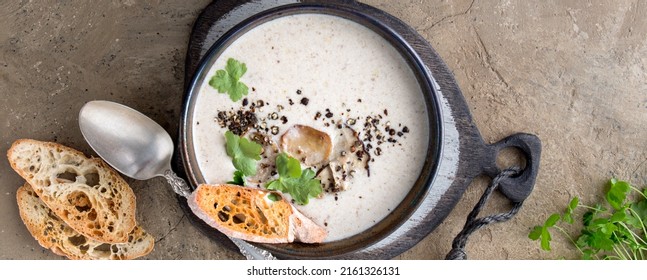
{"x":464,"y":154}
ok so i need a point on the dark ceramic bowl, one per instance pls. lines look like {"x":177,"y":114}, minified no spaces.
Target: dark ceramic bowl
{"x":401,"y":229}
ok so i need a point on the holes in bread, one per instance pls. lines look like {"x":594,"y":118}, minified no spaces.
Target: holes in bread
{"x":84,"y":248}
{"x":223,"y":216}
{"x":239,"y":218}
{"x":92,"y":179}
{"x":215,"y":205}
{"x":68,"y":159}
{"x":105,"y":247}
{"x":92,"y":215}
{"x":68,"y":176}
{"x":261,"y":215}
{"x":77,"y":240}
{"x":102,"y":251}
{"x":114,"y":248}
{"x":80,"y":200}
{"x":51,"y":215}
{"x":111,"y":207}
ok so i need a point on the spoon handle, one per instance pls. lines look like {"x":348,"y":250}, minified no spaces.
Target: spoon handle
{"x":250,"y":251}
{"x":178,"y":184}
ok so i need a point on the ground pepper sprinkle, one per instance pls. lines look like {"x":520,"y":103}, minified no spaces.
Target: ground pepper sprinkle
{"x":238,"y":122}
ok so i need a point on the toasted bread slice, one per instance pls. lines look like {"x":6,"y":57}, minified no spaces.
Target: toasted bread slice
{"x":52,"y":233}
{"x":84,"y":192}
{"x":248,"y":214}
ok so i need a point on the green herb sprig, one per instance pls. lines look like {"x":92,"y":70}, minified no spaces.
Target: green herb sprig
{"x":300,"y":184}
{"x":239,"y":178}
{"x":228,"y":80}
{"x":617,"y":232}
{"x":244,"y":154}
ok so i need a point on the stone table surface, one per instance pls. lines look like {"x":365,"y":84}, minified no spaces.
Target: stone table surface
{"x":572,"y":72}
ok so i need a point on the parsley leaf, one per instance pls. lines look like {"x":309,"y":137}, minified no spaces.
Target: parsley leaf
{"x":273,"y":196}
{"x":238,"y":179}
{"x":300,"y":184}
{"x":617,"y":193}
{"x":228,"y":80}
{"x":221,"y":81}
{"x":237,"y":91}
{"x":568,"y":214}
{"x":235,"y":68}
{"x":244,"y":154}
{"x":541,"y":232}
{"x":288,"y":166}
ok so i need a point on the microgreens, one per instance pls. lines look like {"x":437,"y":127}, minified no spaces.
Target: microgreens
{"x":228,"y":80}
{"x":300,"y":184}
{"x":615,"y":233}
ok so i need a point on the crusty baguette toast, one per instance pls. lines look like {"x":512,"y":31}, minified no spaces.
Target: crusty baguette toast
{"x":246,"y":213}
{"x":84,"y":192}
{"x":52,"y":233}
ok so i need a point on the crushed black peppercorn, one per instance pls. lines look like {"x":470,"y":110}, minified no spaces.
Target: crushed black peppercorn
{"x":238,"y":122}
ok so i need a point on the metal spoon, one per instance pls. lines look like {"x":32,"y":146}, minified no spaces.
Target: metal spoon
{"x":139,"y":148}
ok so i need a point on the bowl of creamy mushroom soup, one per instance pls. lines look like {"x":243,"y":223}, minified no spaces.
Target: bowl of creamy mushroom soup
{"x":342,"y":109}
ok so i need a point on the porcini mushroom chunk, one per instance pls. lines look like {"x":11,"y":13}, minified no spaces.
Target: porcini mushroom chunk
{"x":308,"y":145}
{"x":348,"y":160}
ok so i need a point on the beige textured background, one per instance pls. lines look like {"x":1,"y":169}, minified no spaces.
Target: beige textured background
{"x":572,"y":72}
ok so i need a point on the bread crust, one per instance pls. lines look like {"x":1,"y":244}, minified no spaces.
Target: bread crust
{"x":86,"y":193}
{"x":259,"y":219}
{"x":52,"y":233}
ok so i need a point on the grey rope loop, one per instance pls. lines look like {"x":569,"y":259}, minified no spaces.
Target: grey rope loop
{"x":472,"y":224}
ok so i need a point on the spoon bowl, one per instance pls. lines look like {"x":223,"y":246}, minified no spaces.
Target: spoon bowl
{"x":129,"y":141}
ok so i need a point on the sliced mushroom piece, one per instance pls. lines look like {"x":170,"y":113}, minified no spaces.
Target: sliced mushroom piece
{"x":346,"y":142}
{"x":328,"y":183}
{"x":266,"y":168}
{"x":308,"y":145}
{"x":348,"y":160}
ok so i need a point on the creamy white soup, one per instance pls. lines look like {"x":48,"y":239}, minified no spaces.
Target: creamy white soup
{"x":327,"y":73}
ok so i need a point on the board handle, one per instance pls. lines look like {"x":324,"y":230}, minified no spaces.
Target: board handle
{"x":519,"y":187}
